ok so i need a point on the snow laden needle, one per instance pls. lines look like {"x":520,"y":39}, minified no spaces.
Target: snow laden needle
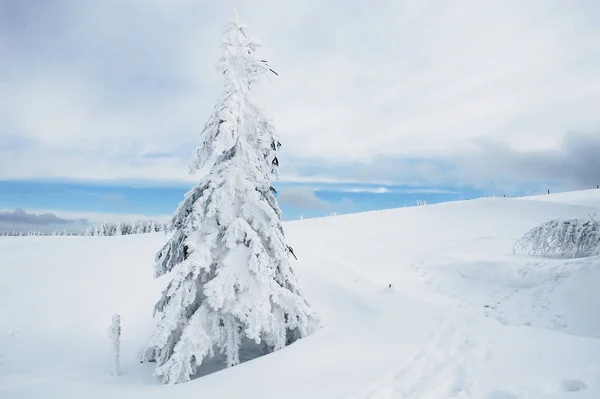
{"x":232,"y":290}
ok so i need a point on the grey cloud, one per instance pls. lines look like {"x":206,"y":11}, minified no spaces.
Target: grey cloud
{"x":116,"y":88}
{"x":381,"y":170}
{"x":492,"y":164}
{"x":576,"y":164}
{"x":21,"y":216}
{"x":302,"y":198}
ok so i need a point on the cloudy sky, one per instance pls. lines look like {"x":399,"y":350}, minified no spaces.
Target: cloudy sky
{"x":494,"y":96}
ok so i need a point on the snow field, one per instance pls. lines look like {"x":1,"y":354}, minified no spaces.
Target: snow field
{"x":464,"y":317}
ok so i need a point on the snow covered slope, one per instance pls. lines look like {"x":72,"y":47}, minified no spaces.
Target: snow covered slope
{"x":585,"y":198}
{"x":463,"y":318}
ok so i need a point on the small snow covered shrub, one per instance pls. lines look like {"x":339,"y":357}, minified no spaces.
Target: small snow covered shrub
{"x":114,"y":333}
{"x":573,"y":238}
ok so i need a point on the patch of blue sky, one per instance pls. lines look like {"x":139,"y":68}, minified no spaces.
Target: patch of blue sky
{"x":161,"y":198}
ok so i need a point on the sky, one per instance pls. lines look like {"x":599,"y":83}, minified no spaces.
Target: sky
{"x":470,"y":97}
{"x":74,"y":205}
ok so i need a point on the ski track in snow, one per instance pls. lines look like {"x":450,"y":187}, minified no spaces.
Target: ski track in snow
{"x":427,"y":367}
{"x":447,"y":365}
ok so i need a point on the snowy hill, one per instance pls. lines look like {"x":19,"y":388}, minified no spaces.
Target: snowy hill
{"x":463,"y":318}
{"x":585,"y":198}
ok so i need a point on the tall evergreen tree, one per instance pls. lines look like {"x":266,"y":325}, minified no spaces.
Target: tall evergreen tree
{"x":232,"y":284}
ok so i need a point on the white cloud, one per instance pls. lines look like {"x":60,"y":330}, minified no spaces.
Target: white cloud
{"x":430,"y":191}
{"x":123,"y":89}
{"x":371,"y":190}
{"x":491,"y":163}
{"x":311,"y":178}
{"x":387,"y":190}
{"x":383,"y":190}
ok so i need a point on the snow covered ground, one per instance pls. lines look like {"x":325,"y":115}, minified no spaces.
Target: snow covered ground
{"x":585,"y":198}
{"x":463,"y":318}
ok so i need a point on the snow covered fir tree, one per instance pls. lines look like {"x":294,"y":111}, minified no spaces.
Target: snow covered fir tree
{"x":233,"y":289}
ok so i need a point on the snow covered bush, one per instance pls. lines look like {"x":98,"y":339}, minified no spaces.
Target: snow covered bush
{"x":114,"y":333}
{"x":573,"y":238}
{"x":232,"y":285}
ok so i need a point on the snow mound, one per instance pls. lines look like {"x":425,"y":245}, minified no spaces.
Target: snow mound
{"x":572,"y":238}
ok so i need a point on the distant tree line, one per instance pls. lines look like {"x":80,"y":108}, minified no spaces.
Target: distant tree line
{"x":104,"y":229}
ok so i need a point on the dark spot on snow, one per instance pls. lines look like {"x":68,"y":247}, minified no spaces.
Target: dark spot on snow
{"x":572,"y":385}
